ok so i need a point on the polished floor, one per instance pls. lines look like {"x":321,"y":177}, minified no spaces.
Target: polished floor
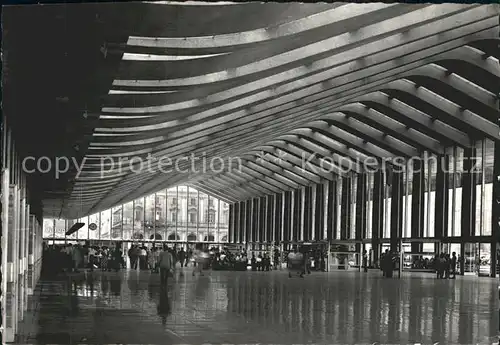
{"x":261,"y":307}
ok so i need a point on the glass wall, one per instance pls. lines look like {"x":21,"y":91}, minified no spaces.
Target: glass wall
{"x":369,"y":205}
{"x":176,"y":214}
{"x":105,"y":228}
{"x":128,"y":220}
{"x":69,"y":224}
{"x":354,"y":189}
{"x":339,"y":206}
{"x":94,"y":226}
{"x":83,"y":232}
{"x":138,"y":228}
{"x":160,"y":220}
{"x":48,"y":227}
{"x":116,"y":222}
{"x":172,"y":213}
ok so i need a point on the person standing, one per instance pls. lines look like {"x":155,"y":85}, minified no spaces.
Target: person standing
{"x":143,"y":265}
{"x":453,"y":265}
{"x":182,"y":257}
{"x":132,"y":256}
{"x":199,"y":259}
{"x":365,"y":261}
{"x":166,"y":264}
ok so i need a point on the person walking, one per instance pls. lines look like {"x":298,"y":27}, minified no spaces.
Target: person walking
{"x":453,"y":266}
{"x":199,"y":259}
{"x":365,"y":261}
{"x":166,"y":264}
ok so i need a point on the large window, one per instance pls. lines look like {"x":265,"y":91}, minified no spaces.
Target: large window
{"x":223,"y":221}
{"x":387,"y":204}
{"x":138,"y":229}
{"x":48,"y":228}
{"x":83,"y":232}
{"x":354,"y":187}
{"x":430,"y":170}
{"x":182,"y":218}
{"x":116,"y":222}
{"x":483,"y":171}
{"x":167,"y":214}
{"x":69,"y":224}
{"x":105,"y":225}
{"x":203,"y":211}
{"x":60,"y":228}
{"x":172,"y":209}
{"x":149,"y":216}
{"x":369,"y":205}
{"x":160,"y":214}
{"x":407,"y":199}
{"x":339,"y":206}
{"x":128,"y":220}
{"x":94,"y":226}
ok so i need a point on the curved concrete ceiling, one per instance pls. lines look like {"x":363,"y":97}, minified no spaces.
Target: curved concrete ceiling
{"x":342,"y":81}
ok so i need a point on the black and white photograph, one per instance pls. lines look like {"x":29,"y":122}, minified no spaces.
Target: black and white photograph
{"x":250,"y":173}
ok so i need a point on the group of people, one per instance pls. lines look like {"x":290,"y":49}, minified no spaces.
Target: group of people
{"x":446,"y":266}
{"x":73,"y":258}
{"x":69,"y":258}
{"x":146,"y":258}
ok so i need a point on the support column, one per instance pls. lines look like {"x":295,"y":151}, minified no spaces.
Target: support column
{"x":319,"y":218}
{"x":360,"y":232}
{"x":248,"y":221}
{"x":417,"y":205}
{"x":378,"y":213}
{"x":297,"y":207}
{"x":268,"y":230}
{"x":468,"y":194}
{"x":287,"y":216}
{"x":307,"y":208}
{"x":345,"y":212}
{"x":396,"y":210}
{"x":278,"y":217}
{"x":242,"y":222}
{"x":331,"y":213}
{"x":495,"y":214}
{"x":263,"y":219}
{"x":255,"y":220}
{"x":442,"y":200}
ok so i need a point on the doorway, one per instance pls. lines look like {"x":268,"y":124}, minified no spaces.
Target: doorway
{"x":477,"y":259}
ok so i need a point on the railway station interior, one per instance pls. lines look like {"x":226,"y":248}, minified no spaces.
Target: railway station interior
{"x":361,"y":137}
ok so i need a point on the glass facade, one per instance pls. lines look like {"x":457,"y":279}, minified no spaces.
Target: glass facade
{"x":177,"y":214}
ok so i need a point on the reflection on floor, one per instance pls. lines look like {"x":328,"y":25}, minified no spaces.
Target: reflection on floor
{"x":262,"y":307}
